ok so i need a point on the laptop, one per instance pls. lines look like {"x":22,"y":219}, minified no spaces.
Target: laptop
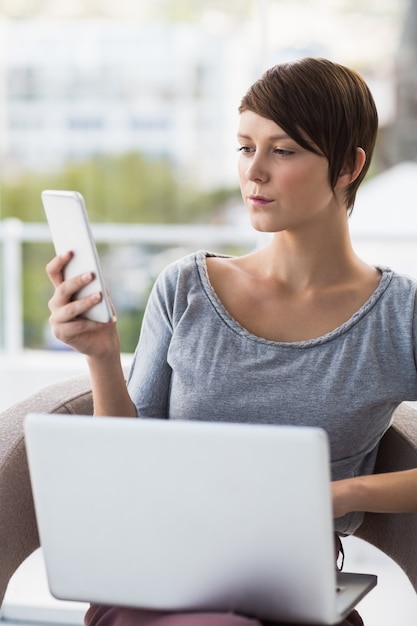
{"x":189,"y":516}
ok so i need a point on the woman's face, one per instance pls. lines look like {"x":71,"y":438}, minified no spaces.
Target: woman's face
{"x":283,"y":185}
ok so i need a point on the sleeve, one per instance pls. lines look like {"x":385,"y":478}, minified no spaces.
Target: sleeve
{"x":150,"y":374}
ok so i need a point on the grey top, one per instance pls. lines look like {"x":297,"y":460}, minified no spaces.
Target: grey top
{"x":195,"y":361}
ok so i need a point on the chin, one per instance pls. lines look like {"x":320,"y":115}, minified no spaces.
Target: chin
{"x":265,"y":228}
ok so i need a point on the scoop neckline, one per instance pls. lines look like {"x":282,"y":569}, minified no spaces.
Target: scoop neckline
{"x":201,"y":261}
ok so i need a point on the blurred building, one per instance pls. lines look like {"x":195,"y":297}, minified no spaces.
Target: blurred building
{"x":73,"y":89}
{"x":406,"y":124}
{"x":398,"y":138}
{"x":76,"y":87}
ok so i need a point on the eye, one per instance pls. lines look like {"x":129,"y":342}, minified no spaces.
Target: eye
{"x":245,"y":149}
{"x":283,"y":152}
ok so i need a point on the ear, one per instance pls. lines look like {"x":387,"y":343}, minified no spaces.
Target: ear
{"x":351,"y":171}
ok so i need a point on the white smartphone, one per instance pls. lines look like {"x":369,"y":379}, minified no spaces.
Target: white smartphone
{"x":70,"y":230}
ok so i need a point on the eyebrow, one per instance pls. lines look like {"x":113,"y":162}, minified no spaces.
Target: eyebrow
{"x":271,"y":138}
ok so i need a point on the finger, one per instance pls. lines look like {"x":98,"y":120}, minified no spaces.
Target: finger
{"x":55,"y":268}
{"x":65,"y":309}
{"x":67,"y":290}
{"x":67,"y":331}
{"x":69,"y":325}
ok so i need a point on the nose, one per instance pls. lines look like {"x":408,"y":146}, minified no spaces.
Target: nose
{"x":256,"y":169}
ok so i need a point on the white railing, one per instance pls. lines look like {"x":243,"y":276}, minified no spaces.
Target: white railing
{"x":14,"y":233}
{"x":398,"y":250}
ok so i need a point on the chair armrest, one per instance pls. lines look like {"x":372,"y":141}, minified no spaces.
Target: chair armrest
{"x":396,"y":534}
{"x":18,"y":528}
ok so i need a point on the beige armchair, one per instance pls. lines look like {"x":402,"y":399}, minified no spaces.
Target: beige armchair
{"x":396,"y":535}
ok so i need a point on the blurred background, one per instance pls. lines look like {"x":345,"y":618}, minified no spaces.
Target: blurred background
{"x":134,"y":104}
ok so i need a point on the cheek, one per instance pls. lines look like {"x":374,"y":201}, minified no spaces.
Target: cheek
{"x":309,"y":180}
{"x":241,"y":169}
{"x":241,"y":172}
{"x":290,"y":181}
{"x":304,"y":187}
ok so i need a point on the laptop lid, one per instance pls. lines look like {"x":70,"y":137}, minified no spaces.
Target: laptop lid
{"x":180,"y":515}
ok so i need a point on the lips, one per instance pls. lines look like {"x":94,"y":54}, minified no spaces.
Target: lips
{"x":259,"y":200}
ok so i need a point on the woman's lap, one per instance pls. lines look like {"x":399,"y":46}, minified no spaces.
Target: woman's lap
{"x":99,"y":615}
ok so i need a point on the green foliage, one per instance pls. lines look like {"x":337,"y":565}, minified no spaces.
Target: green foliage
{"x":194,"y":10}
{"x":125,"y":189}
{"x":37,"y":290}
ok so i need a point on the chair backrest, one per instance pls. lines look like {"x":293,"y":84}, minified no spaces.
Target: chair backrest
{"x":18,"y":528}
{"x":396,"y":535}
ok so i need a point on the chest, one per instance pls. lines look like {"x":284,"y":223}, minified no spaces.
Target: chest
{"x":273,"y":313}
{"x":284,"y":311}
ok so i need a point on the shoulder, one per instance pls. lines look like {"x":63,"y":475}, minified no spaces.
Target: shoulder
{"x":188,"y":266}
{"x":400,"y":285}
{"x":398,"y":301}
{"x":191,"y":266}
{"x":183,"y":278}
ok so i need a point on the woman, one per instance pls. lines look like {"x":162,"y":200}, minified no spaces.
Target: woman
{"x":300,"y":331}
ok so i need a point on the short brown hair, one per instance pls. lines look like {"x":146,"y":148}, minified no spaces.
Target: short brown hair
{"x":318,"y":101}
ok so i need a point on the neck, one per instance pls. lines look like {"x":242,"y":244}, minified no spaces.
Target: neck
{"x":307,"y":261}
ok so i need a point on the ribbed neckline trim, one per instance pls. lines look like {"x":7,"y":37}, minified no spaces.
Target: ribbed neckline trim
{"x":202,"y":255}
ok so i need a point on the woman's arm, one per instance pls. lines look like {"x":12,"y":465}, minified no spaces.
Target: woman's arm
{"x":99,"y":342}
{"x":110,"y":395}
{"x":395,"y":492}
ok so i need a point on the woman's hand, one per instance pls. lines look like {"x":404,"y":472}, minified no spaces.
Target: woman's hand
{"x":394,"y":492}
{"x":91,"y":338}
{"x":98,"y":341}
{"x":342,"y":495}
